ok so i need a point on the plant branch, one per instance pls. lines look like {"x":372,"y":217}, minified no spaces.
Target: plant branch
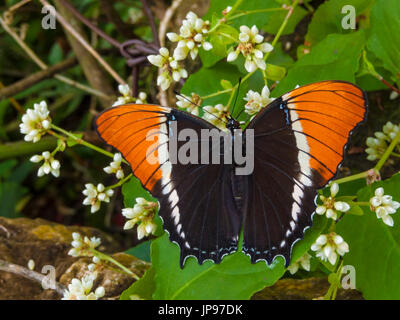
{"x":43,"y":66}
{"x":29,"y":81}
{"x":86,"y":45}
{"x":29,"y":274}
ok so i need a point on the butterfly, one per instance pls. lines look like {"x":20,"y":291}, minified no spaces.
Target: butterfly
{"x":299,"y":142}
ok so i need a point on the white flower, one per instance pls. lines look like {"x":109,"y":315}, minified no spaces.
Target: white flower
{"x":377,"y":145}
{"x":256,"y":101}
{"x":217,"y":115}
{"x":191,"y":37}
{"x":190,"y":104}
{"x":169,"y":66}
{"x":115,"y":166}
{"x":95,"y":195}
{"x":330,"y":206}
{"x":83,"y":246}
{"x":127,"y":96}
{"x":393,"y":95}
{"x":143,"y":212}
{"x":81,"y":289}
{"x":304,"y":261}
{"x":50,"y":165}
{"x":35,"y":122}
{"x":31,"y":264}
{"x":383,"y":205}
{"x":252,"y":47}
{"x":328,"y":246}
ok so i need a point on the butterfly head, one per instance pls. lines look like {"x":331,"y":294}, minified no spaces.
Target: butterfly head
{"x":232,"y":124}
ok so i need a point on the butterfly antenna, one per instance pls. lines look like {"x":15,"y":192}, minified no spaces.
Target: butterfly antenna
{"x":237,"y":94}
{"x":187,"y":99}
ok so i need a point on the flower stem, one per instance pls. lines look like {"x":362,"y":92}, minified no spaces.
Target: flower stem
{"x":121,"y":182}
{"x":245,"y":13}
{"x":84,"y":143}
{"x":353,"y":177}
{"x":103,"y":256}
{"x":388,"y":152}
{"x":216,"y":94}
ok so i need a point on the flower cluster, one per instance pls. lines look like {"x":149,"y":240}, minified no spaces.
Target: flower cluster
{"x":217,"y":115}
{"x":83,"y":246}
{"x":256,"y":101}
{"x":328,"y":246}
{"x":330,"y":206}
{"x":383,"y":205}
{"x":50,"y":165}
{"x":35,"y":122}
{"x":192,"y":35}
{"x":252,"y":47}
{"x":378,"y":144}
{"x":169,"y":68}
{"x":96,"y":195}
{"x":127,"y":96}
{"x":190,"y":104}
{"x":144,"y":212}
{"x":303,"y":261}
{"x":115,"y":166}
{"x":81,"y":289}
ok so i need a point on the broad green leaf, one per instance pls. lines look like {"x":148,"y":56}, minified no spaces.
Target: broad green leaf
{"x":208,"y":80}
{"x":334,"y":58}
{"x":384,"y":39}
{"x":327,"y":19}
{"x":274,"y":72}
{"x":234,"y":278}
{"x":142,"y":288}
{"x":374,"y":246}
{"x":274,"y":21}
{"x":141,"y":251}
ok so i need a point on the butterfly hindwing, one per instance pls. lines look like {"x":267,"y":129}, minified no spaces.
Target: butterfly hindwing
{"x":299,"y":143}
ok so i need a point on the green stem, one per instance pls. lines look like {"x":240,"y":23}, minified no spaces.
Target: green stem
{"x":388,"y":152}
{"x":282,"y":27}
{"x":103,"y":256}
{"x":216,"y":94}
{"x":244,"y":13}
{"x":121,"y":182}
{"x":84,"y":143}
{"x":353,"y":177}
{"x":228,"y":36}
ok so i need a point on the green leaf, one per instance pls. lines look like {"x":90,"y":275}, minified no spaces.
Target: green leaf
{"x":274,"y":21}
{"x":141,"y":251}
{"x":274,"y":72}
{"x":225,"y":84}
{"x":374,"y":246}
{"x":142,"y":288}
{"x":72,"y":142}
{"x":327,"y":19}
{"x":334,"y":58}
{"x":384,"y":40}
{"x":234,"y":278}
{"x":208,"y":80}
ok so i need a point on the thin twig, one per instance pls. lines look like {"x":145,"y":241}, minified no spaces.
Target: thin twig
{"x":42,"y":65}
{"x":29,"y":274}
{"x":89,"y":24}
{"x":152,"y":23}
{"x":35,"y":78}
{"x":86,"y":45}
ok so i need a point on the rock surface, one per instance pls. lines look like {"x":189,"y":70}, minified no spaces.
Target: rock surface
{"x":48,"y":243}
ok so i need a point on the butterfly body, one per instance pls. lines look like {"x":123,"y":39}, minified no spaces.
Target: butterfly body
{"x":296,"y":145}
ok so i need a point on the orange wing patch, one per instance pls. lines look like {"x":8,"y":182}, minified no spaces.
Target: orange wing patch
{"x":326,"y":113}
{"x":139,"y":132}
